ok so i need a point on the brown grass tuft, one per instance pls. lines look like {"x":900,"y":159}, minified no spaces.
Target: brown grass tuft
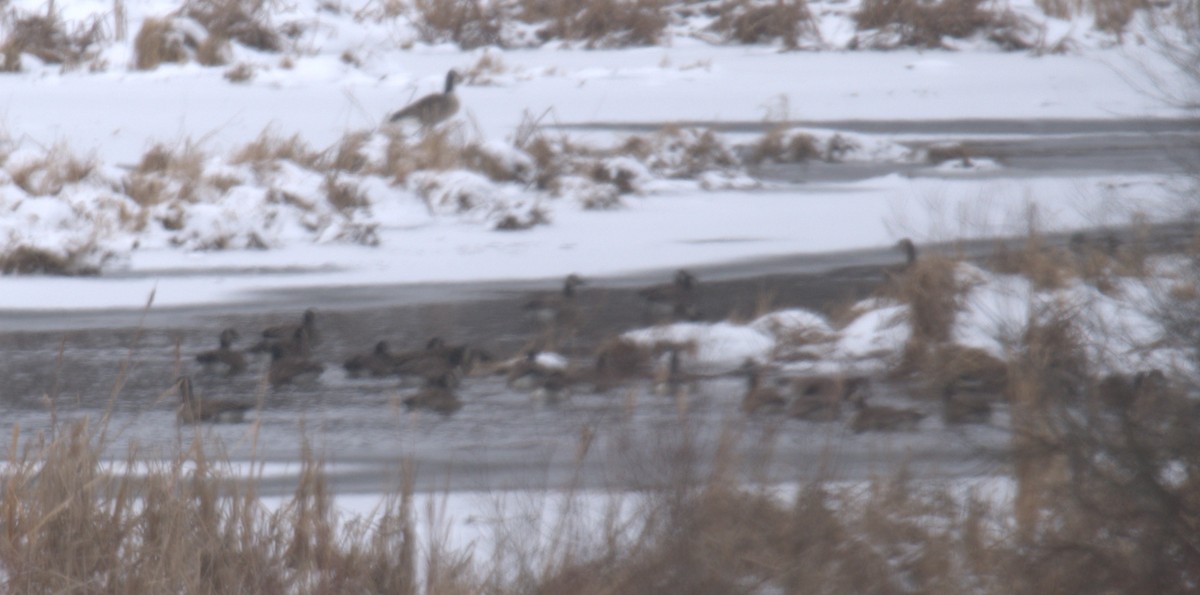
{"x":780,"y":146}
{"x":932,"y":290}
{"x":157,"y":42}
{"x":240,"y":73}
{"x":903,"y":23}
{"x":344,"y":196}
{"x":213,"y":51}
{"x":243,"y":21}
{"x":349,"y":156}
{"x":27,"y":260}
{"x":468,"y":23}
{"x":269,"y":148}
{"x":746,"y":21}
{"x":1112,"y":16}
{"x":48,"y":174}
{"x":598,"y":23}
{"x":46,"y":37}
{"x":1046,"y":267}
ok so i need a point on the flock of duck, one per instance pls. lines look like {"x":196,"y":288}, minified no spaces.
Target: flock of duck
{"x":436,"y":369}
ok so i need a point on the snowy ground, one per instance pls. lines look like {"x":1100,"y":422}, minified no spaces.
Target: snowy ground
{"x":112,"y":117}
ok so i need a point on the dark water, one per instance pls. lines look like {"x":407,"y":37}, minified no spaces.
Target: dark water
{"x":116,"y":368}
{"x":119,"y":367}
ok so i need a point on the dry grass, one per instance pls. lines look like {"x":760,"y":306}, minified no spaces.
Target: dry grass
{"x":213,"y":51}
{"x":601,"y":23}
{"x":596,"y":23}
{"x":1112,"y":16}
{"x":1114,"y":524}
{"x":748,"y":21}
{"x":933,"y":292}
{"x":70,"y":525}
{"x":440,"y":149}
{"x":270,"y":148}
{"x":468,"y":23}
{"x":1045,"y":266}
{"x":1102,"y":458}
{"x":244,"y":21}
{"x":903,"y":23}
{"x":48,"y":174}
{"x":27,"y":260}
{"x":781,"y":146}
{"x":239,"y":73}
{"x":349,"y":155}
{"x":157,"y":42}
{"x":47,"y":37}
{"x":344,"y":196}
{"x":165,"y":174}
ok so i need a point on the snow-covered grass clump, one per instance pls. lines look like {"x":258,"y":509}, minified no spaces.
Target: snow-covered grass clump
{"x":1121,"y":327}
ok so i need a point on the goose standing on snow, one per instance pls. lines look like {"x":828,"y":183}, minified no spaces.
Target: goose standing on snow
{"x":432,"y":109}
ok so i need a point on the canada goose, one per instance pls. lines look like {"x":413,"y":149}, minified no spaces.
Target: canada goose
{"x":436,"y":395}
{"x":673,"y":299}
{"x":432,"y":109}
{"x":553,"y":388}
{"x":759,"y":397}
{"x":909,"y":249}
{"x":530,"y":372}
{"x":617,"y":361}
{"x":297,"y":345}
{"x":194,"y":410}
{"x":881,"y":418}
{"x":437,"y":360}
{"x":225,"y":355}
{"x":296,"y":339}
{"x":377,"y":362}
{"x":286,"y":368}
{"x":283,"y":331}
{"x":558,"y":307}
{"x":820,"y":398}
{"x":966,"y":401}
{"x":435,"y":345}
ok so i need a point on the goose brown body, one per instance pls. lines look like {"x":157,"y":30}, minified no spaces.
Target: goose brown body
{"x":193,"y":409}
{"x":432,"y":109}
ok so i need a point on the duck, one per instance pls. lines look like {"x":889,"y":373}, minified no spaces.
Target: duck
{"x":436,"y":396}
{"x":531,"y":371}
{"x":909,"y":249}
{"x":964,"y":402}
{"x":432,"y":109}
{"x":438,"y":359}
{"x":617,"y":361}
{"x":308,"y":322}
{"x":820,"y":398}
{"x":670,"y":379}
{"x":286,"y":368}
{"x":378,"y":362}
{"x":225,"y":355}
{"x":881,"y":418}
{"x":296,"y":339}
{"x":672,"y":299}
{"x":759,"y":398}
{"x":553,"y":388}
{"x":193,"y":410}
{"x":558,"y":307}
